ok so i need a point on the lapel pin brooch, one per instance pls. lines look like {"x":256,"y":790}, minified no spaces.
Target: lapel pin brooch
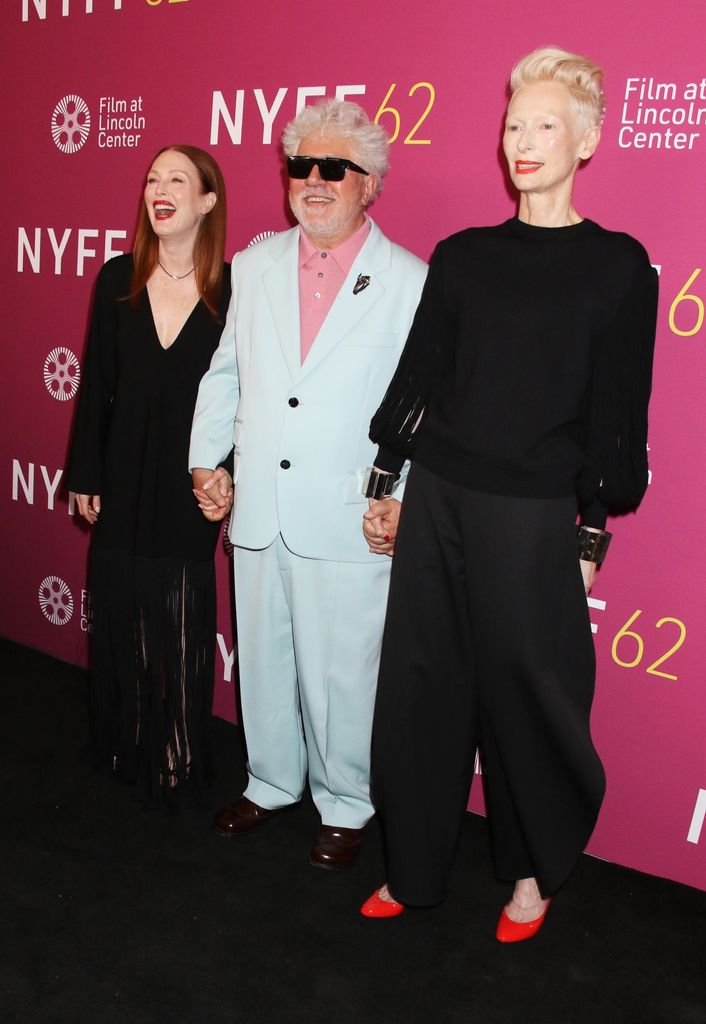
{"x":362,"y":282}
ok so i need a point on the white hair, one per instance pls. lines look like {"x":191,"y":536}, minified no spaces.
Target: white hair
{"x":581,"y":76}
{"x":341,"y":119}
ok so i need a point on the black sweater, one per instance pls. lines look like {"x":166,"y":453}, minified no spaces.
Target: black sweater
{"x":529,"y":362}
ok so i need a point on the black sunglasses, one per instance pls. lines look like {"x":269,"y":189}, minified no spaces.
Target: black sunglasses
{"x":331,"y":168}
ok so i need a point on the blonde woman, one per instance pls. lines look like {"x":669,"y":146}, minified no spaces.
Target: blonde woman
{"x":521,"y":397}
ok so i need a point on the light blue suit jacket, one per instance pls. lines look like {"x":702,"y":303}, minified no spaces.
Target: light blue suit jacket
{"x":314,"y":417}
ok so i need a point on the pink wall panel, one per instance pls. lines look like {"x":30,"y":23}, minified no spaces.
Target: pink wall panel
{"x":222,"y":75}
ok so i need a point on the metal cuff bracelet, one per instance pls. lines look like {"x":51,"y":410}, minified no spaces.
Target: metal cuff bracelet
{"x":378,"y":485}
{"x":592,"y":546}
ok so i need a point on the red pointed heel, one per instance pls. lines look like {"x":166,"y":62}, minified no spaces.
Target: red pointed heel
{"x":376,"y":906}
{"x":514,"y":931}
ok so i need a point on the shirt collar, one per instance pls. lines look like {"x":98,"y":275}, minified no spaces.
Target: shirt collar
{"x":342,"y":254}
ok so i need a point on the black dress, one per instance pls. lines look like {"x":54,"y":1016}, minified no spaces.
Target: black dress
{"x":151,"y":571}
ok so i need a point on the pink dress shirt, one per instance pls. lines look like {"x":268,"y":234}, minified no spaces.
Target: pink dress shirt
{"x":321,"y":275}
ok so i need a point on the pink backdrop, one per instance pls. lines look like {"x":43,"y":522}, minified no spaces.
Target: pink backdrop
{"x":215,"y":73}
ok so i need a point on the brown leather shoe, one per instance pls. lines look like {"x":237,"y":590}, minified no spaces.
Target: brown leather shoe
{"x":241,"y":818}
{"x":336,"y":848}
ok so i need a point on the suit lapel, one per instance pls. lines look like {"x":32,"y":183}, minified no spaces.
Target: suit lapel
{"x":348,"y":309}
{"x":281,"y":284}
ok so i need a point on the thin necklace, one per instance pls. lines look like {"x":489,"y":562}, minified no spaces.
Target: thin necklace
{"x":176,"y":277}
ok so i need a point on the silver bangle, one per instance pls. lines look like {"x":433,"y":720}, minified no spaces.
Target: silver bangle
{"x":378,"y":484}
{"x":592,"y":546}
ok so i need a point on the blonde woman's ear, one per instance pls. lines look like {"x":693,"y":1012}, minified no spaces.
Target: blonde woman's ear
{"x":590,"y":142}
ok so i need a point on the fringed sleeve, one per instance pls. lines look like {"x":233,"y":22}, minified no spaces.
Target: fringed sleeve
{"x":617,"y":441}
{"x":429,"y":345}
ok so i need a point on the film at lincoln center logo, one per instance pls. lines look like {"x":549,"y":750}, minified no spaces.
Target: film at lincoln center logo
{"x":56,"y":600}
{"x":70,"y":124}
{"x":62,"y":373}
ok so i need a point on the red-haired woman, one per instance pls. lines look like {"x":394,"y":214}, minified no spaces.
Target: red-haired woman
{"x":157,"y":316}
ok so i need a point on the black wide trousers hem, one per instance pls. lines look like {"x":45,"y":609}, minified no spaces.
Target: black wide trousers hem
{"x":487,"y":643}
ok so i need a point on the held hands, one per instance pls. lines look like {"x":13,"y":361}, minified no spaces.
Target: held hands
{"x":213,"y":489}
{"x":89,"y":505}
{"x":380,"y":525}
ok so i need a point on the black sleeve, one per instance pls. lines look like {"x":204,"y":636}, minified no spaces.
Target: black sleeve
{"x":428,"y":347}
{"x":622,"y":386}
{"x":97,"y":389}
{"x":594,"y":513}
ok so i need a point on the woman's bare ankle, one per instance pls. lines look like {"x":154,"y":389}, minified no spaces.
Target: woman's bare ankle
{"x":385,"y":894}
{"x":527,"y":903}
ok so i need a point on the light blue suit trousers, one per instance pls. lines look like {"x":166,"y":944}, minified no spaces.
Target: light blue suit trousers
{"x":309,"y":637}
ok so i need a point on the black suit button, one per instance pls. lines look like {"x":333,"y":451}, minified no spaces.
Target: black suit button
{"x":294,"y":402}
{"x":285,"y":463}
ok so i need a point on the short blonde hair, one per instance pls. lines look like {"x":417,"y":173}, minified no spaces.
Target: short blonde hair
{"x":581,"y":76}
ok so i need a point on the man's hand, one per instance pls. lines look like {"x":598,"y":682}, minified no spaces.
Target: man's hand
{"x":380,"y":525}
{"x":213,"y":490}
{"x":89,"y":505}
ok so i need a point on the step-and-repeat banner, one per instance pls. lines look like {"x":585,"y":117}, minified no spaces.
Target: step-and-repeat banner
{"x":94,"y":87}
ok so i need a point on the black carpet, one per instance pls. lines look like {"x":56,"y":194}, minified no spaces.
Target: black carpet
{"x":110,"y":913}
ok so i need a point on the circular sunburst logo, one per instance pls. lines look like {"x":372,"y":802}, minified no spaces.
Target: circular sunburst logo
{"x":261,"y":237}
{"x":70,"y":123}
{"x":62,"y":373}
{"x":55,"y":600}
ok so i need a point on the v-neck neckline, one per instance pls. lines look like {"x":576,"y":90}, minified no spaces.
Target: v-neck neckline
{"x":167,"y":348}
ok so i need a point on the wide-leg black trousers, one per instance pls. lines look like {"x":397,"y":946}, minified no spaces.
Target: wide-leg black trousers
{"x":487,"y":642}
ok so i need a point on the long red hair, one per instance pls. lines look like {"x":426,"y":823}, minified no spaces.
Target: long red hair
{"x":209,"y":246}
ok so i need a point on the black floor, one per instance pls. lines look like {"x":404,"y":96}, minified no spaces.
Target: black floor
{"x":112,"y":914}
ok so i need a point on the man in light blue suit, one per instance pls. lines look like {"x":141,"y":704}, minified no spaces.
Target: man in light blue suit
{"x":318,"y":318}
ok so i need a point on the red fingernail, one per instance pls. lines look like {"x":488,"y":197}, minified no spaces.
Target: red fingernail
{"x":387,"y":537}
